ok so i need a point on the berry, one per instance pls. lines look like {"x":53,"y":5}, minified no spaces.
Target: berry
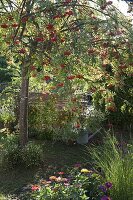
{"x":24,"y":19}
{"x":63,"y":65}
{"x":47,"y":78}
{"x":14,"y":25}
{"x":67,"y":53}
{"x":60,"y":84}
{"x":80,"y":76}
{"x":71,"y":77}
{"x":33,"y":68}
{"x":4,"y":26}
{"x":50,"y":27}
{"x":39,"y":39}
{"x":54,"y":39}
{"x":22,"y":51}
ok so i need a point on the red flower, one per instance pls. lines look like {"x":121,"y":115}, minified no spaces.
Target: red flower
{"x":35,"y":187}
{"x":50,"y":27}
{"x":67,"y":53}
{"x":14,"y":25}
{"x":4,"y":26}
{"x":71,"y":77}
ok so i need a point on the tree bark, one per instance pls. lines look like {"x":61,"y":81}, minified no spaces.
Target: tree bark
{"x":23,"y":115}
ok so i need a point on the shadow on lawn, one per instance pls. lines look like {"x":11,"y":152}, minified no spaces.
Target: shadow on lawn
{"x":57,"y":155}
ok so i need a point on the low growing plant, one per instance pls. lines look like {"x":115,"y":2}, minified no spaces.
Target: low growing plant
{"x":78,"y":184}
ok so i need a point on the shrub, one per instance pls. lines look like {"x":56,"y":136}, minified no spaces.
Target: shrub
{"x":11,"y":151}
{"x":116,"y":164}
{"x":32,"y":155}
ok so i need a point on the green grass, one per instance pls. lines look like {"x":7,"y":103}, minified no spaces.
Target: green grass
{"x":55,"y":154}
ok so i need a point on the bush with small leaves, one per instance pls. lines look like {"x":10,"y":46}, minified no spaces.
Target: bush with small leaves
{"x":32,"y":155}
{"x":11,"y":151}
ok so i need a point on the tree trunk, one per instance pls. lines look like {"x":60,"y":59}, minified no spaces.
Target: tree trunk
{"x":23,"y":115}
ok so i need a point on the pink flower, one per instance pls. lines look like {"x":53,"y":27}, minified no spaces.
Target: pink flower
{"x":35,"y":187}
{"x":60,"y":173}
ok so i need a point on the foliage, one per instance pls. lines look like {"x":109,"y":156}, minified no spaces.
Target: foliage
{"x":31,"y":155}
{"x":50,"y":116}
{"x":75,"y":184}
{"x":93,"y":120}
{"x":116,"y":164}
{"x":69,"y":45}
{"x":8,"y":108}
{"x":121,"y":100}
{"x":5,"y":72}
{"x":11,"y":155}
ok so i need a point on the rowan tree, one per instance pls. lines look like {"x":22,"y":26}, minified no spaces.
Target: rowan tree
{"x":67,"y":44}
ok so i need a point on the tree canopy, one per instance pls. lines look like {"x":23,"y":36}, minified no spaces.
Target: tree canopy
{"x":69,"y":45}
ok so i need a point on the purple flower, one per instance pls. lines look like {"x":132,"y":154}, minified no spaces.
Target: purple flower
{"x":105,"y":198}
{"x":102,"y":188}
{"x":108,"y":185}
{"x":77,"y":165}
